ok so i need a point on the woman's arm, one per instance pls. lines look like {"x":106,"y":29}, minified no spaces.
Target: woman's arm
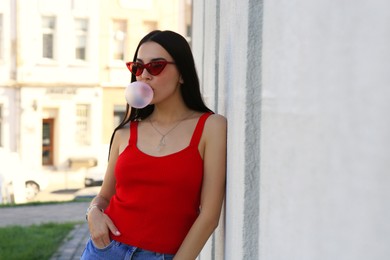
{"x":213,"y":188}
{"x":99,"y":232}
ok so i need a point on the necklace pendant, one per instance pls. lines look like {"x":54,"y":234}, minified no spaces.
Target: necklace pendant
{"x":162,"y":140}
{"x":162,"y":143}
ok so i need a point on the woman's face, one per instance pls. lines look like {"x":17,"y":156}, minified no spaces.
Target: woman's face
{"x":165,"y":84}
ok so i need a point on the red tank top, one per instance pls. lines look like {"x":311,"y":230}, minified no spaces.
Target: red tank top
{"x":157,"y":198}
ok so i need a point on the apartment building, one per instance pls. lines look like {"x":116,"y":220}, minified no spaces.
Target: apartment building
{"x":63,"y":73}
{"x":53,"y":89}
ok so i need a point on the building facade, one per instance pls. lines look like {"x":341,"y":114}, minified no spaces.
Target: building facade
{"x":63,"y":73}
{"x":54,"y":84}
{"x":8,"y":123}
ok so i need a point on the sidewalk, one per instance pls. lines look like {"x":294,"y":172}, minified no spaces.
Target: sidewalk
{"x":74,"y":244}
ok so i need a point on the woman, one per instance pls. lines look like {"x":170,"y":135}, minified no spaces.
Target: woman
{"x":164,"y":187}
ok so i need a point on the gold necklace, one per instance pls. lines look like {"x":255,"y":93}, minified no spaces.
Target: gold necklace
{"x":162,"y":142}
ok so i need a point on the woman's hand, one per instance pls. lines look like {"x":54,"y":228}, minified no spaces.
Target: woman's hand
{"x":99,"y":227}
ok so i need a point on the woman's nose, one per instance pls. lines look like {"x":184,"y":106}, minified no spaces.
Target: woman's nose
{"x":145,"y":74}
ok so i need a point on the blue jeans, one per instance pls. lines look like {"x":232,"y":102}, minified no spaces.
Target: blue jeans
{"x":118,"y":251}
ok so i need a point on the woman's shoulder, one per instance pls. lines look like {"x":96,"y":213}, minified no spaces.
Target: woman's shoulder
{"x":121,"y":138}
{"x":216,"y":123}
{"x":215,"y":133}
{"x":216,"y":119}
{"x":124,"y":131}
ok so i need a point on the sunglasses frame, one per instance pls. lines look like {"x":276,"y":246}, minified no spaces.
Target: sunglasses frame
{"x":147,"y":66}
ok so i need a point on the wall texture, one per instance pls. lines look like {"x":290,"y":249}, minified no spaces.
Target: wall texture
{"x":325,"y":157}
{"x":227,"y":48}
{"x":305,"y":87}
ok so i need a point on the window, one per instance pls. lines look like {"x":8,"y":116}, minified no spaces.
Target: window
{"x":48,"y":30}
{"x":82,"y":125}
{"x":1,"y":36}
{"x":81,"y":32}
{"x":119,"y":30}
{"x":47,"y":141}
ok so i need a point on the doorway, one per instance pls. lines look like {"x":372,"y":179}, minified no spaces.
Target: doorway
{"x":47,"y":141}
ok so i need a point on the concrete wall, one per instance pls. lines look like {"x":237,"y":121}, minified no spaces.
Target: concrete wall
{"x":305,"y":87}
{"x":325,"y":131}
{"x":227,"y":50}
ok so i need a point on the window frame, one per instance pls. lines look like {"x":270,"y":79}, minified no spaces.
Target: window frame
{"x":48,"y":31}
{"x":115,"y":41}
{"x":84,"y":33}
{"x":83,"y":124}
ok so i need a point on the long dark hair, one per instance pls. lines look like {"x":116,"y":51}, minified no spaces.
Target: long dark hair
{"x":178,"y":47}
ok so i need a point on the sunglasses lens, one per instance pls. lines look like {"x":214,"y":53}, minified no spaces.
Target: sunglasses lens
{"x":156,"y":68}
{"x":136,"y":68}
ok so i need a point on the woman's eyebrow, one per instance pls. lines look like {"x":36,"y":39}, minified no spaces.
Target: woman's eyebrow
{"x":154,"y":59}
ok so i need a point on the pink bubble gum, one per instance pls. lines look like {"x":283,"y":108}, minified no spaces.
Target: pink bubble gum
{"x":138,"y":94}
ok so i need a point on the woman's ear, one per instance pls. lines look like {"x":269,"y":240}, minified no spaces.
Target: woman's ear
{"x":181,"y":81}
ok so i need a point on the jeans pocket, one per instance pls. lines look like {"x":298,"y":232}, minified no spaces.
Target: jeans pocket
{"x":106,"y":248}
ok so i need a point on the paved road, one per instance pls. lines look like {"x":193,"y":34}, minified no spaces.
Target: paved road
{"x":28,"y":215}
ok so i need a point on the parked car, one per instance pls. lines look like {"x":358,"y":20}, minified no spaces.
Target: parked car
{"x":94,"y":176}
{"x":34,"y":183}
{"x":19,"y":182}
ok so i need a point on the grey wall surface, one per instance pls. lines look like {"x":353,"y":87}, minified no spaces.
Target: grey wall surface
{"x":305,"y":86}
{"x":227,"y":50}
{"x":325,"y":157}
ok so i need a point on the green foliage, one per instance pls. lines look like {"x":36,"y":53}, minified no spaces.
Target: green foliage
{"x":32,"y":242}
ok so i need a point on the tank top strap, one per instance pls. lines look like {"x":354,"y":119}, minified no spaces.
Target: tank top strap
{"x":199,"y":129}
{"x":133,"y":133}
